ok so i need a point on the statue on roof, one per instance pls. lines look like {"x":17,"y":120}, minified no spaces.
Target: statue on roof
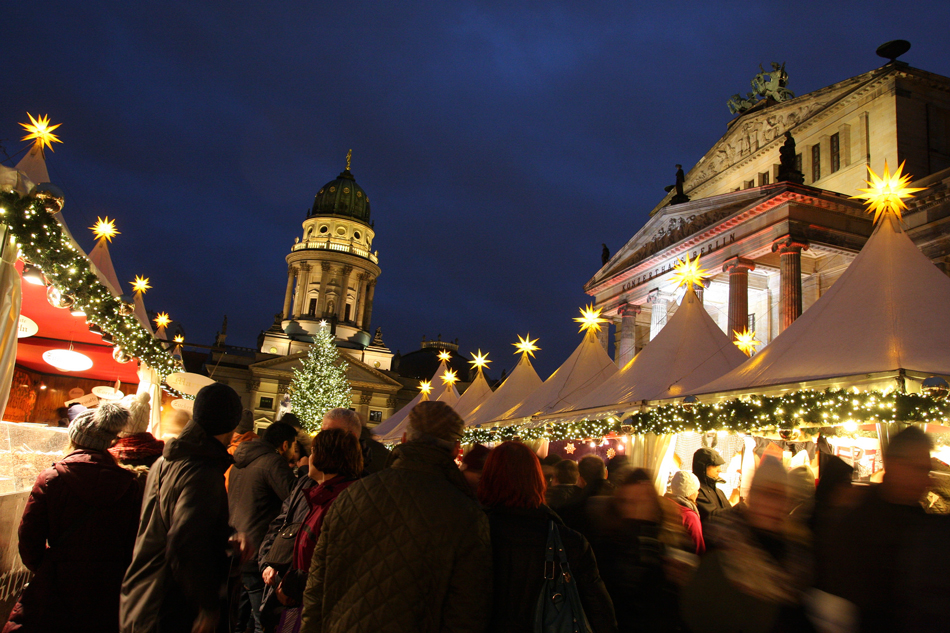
{"x":765,"y":86}
{"x":378,"y":338}
{"x":788,"y":162}
{"x":604,"y":254}
{"x":679,"y":197}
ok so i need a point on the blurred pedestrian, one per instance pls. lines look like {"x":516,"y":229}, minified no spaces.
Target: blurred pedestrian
{"x":178,"y":577}
{"x":683,"y":491}
{"x":547,"y":467}
{"x":710,"y":501}
{"x":77,"y":533}
{"x":336,"y":462}
{"x":592,"y":480}
{"x":261,"y":479}
{"x":512,"y":491}
{"x":756,"y":566}
{"x":137,"y":447}
{"x":407,"y":548}
{"x":243,"y":433}
{"x":564,"y":485}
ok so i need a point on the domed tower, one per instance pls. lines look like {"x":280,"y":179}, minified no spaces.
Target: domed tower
{"x":332,"y":269}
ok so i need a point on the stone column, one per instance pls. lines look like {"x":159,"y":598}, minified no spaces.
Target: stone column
{"x":300,"y":307}
{"x":361,"y":298}
{"x":289,"y":295}
{"x":738,"y":269}
{"x":790,"y":251}
{"x":368,"y":312}
{"x":324,"y":279}
{"x":660,"y":302}
{"x":627,"y":348}
{"x":344,"y":291}
{"x":603,"y":335}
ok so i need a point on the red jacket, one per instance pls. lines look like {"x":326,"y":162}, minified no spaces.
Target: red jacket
{"x":693,"y":527}
{"x":76,"y":536}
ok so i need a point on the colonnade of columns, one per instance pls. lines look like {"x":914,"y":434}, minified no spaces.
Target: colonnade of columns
{"x":300,"y":276}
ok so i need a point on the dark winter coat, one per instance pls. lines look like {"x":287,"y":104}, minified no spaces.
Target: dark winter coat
{"x":375,"y":455}
{"x":181,"y":560}
{"x":294,"y":510}
{"x":560,"y":495}
{"x":710,"y":501}
{"x":576,"y":512}
{"x":260,"y":481}
{"x":519,"y":539}
{"x":405,"y":549}
{"x":76,"y":536}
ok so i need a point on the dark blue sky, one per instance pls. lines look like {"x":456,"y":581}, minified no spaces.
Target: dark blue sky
{"x":500,"y":142}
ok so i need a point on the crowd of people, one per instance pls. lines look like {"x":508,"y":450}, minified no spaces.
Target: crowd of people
{"x":224,"y":530}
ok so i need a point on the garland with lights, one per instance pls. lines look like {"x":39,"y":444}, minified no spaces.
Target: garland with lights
{"x":806,"y":408}
{"x":42,"y":242}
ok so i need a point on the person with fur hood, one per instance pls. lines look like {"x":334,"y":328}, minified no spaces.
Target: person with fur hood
{"x":136,"y":446}
{"x":78,"y":532}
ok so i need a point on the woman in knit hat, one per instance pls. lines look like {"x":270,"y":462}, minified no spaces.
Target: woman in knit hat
{"x":136,"y":446}
{"x":78,"y":531}
{"x":683,"y":490}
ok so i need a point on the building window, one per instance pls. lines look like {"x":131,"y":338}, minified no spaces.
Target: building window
{"x":346,"y":312}
{"x":266,"y":403}
{"x":749,"y":184}
{"x":763,"y":179}
{"x":752,"y":322}
{"x":375,"y":416}
{"x":312,"y":308}
{"x":835,"y":153}
{"x":816,"y":162}
{"x":798,"y":163}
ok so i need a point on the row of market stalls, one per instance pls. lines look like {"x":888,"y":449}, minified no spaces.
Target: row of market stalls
{"x":869,"y":356}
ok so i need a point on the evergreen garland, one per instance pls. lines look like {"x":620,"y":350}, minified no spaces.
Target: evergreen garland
{"x":42,"y":241}
{"x":320,"y":383}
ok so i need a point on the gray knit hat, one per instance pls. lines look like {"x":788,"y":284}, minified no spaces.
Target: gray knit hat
{"x":97,"y":429}
{"x":684,"y":484}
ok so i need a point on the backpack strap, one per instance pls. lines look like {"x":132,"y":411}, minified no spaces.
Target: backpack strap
{"x":553,"y":542}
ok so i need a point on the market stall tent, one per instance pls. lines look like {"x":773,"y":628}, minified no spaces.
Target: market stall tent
{"x":394,"y":426}
{"x":522,"y":382}
{"x":689,"y":352}
{"x":888,"y":312}
{"x":477,"y":393}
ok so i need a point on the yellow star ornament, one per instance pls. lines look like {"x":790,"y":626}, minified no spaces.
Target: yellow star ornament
{"x":746,"y":342}
{"x":140,"y":285}
{"x":104,"y":229}
{"x":179,"y":338}
{"x":480,"y":360}
{"x":425,"y":387}
{"x":887,"y":193}
{"x":450,"y":377}
{"x":526,"y":346}
{"x":590,"y":319}
{"x":40,"y":130}
{"x":687,"y":273}
{"x":444,"y":355}
{"x":162,"y":320}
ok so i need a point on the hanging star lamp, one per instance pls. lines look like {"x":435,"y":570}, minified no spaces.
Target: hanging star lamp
{"x":161,"y":322}
{"x":590,"y":319}
{"x":480,"y":361}
{"x":746,"y":341}
{"x":450,"y":377}
{"x":104,"y":229}
{"x":444,"y":355}
{"x":687,"y":273}
{"x":887,"y":193}
{"x":40,"y":131}
{"x":425,"y":387}
{"x":140,"y":286}
{"x":525,"y":346}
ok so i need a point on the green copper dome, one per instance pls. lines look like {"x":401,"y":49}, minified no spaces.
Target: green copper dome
{"x":342,"y":197}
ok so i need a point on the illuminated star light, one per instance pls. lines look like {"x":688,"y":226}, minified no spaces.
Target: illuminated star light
{"x":425,"y":387}
{"x":40,"y":129}
{"x":745,"y":341}
{"x":140,"y":285}
{"x":444,"y":355}
{"x":480,"y":360}
{"x":104,"y":229}
{"x":324,"y":323}
{"x":687,"y":273}
{"x":162,"y":320}
{"x":887,"y":192}
{"x":526,"y":346}
{"x":590,"y":319}
{"x":450,"y":377}
{"x":179,"y":338}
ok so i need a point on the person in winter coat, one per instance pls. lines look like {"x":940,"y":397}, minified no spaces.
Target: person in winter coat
{"x":375,"y":455}
{"x":336,"y":462}
{"x":683,"y":490}
{"x":261,"y":480}
{"x":77,"y":533}
{"x":407,"y":548}
{"x":243,"y":433}
{"x":564,"y":485}
{"x":757,"y":565}
{"x":711,"y":501}
{"x":136,"y":446}
{"x":178,"y":577}
{"x":592,"y":479}
{"x":512,"y":491}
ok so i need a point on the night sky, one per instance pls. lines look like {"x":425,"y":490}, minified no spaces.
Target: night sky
{"x":500,"y":143}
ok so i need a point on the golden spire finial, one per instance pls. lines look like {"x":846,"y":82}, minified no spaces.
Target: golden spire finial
{"x":349,"y":155}
{"x":887,"y":193}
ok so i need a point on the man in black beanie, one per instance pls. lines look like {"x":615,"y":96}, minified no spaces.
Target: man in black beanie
{"x":178,"y":577}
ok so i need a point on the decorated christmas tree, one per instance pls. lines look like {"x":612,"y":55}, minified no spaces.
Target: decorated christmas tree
{"x":320,"y":383}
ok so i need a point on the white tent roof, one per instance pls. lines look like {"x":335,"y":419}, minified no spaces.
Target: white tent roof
{"x":33,"y":165}
{"x":688,"y":352}
{"x":393,"y":426}
{"x":585,"y":370}
{"x":449,"y":396}
{"x":888,"y":311}
{"x":522,"y":382}
{"x":477,"y":393}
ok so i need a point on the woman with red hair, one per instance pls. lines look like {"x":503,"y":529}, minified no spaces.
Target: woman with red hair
{"x":512,"y":491}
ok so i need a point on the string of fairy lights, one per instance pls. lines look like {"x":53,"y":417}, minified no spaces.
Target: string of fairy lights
{"x":72,"y":282}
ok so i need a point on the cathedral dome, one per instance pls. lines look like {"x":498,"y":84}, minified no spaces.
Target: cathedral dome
{"x":342,"y":197}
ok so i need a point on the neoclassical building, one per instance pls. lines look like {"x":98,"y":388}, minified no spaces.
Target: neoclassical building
{"x":332,"y":270}
{"x":773,"y":247}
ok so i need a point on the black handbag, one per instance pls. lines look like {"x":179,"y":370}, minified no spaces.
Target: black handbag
{"x":281,"y":552}
{"x":559,"y":608}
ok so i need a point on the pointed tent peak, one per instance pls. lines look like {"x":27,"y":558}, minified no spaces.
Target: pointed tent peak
{"x":521,"y":383}
{"x":477,"y":393}
{"x":449,"y":396}
{"x":590,"y":319}
{"x":885,"y":194}
{"x":33,"y":165}
{"x":101,"y":260}
{"x":526,"y":347}
{"x":687,"y":273}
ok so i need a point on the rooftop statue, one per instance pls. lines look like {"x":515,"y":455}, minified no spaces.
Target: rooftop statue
{"x":788,"y":168}
{"x":679,"y":197}
{"x":765,"y":85}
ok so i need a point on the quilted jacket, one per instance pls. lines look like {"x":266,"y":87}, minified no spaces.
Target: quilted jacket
{"x":405,"y":549}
